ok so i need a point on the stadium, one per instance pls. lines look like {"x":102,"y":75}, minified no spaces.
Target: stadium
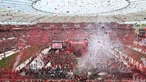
{"x":72,"y":40}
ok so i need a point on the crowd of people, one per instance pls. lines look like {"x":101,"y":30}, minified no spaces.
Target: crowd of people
{"x":63,"y":64}
{"x":60,"y":65}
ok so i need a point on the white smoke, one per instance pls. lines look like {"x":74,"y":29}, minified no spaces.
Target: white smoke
{"x":98,"y":49}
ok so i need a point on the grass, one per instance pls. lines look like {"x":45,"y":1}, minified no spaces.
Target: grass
{"x":8,"y":62}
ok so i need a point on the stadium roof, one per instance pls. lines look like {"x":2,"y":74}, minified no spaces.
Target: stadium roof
{"x":35,"y":11}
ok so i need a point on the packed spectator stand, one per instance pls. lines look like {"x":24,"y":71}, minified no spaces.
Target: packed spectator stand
{"x":63,"y":62}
